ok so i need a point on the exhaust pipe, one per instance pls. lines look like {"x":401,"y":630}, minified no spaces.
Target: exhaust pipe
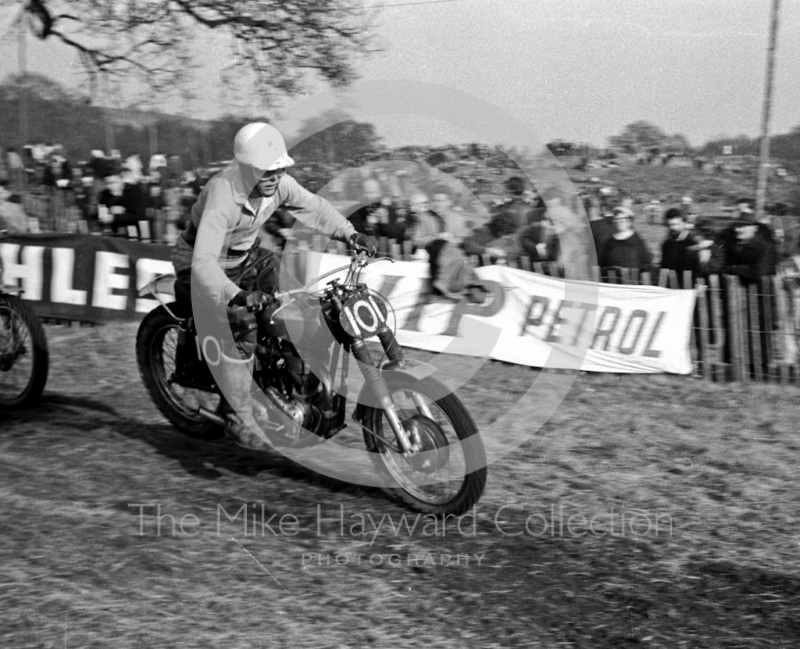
{"x":211,"y":416}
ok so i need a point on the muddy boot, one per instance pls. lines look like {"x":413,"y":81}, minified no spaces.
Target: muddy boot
{"x":242,"y":413}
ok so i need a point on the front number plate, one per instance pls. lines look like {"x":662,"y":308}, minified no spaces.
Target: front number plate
{"x":363,"y":314}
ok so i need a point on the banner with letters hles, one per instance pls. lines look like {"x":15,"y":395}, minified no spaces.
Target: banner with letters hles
{"x":538,"y":321}
{"x":83,"y":277}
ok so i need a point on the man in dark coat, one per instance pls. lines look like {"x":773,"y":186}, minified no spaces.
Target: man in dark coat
{"x":625,"y":248}
{"x":750,"y":249}
{"x":485,"y":239}
{"x":750,"y":254}
{"x":677,"y":251}
{"x":523,"y":212}
{"x":378,"y":217}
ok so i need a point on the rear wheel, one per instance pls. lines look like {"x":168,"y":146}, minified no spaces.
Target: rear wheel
{"x":450,"y":475}
{"x":156,"y":351}
{"x":24,"y":360}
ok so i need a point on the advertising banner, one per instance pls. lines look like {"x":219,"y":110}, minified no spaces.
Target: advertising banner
{"x":83,"y":278}
{"x":526,"y":319}
{"x":539,"y":321}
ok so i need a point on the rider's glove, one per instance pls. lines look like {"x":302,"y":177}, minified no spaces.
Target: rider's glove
{"x":253,"y":300}
{"x":365,"y":242}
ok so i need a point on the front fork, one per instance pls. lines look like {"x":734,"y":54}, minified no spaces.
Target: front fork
{"x":409,"y":442}
{"x":395,"y":355}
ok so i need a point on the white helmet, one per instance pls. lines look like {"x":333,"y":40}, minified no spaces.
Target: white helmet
{"x":261,"y":146}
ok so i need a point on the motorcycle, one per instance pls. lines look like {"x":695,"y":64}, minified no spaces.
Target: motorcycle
{"x":24,"y":359}
{"x":422,"y":441}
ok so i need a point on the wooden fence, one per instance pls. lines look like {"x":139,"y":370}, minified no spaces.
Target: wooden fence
{"x":742,"y":331}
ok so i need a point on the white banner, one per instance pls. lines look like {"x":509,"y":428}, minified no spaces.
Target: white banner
{"x":538,"y":321}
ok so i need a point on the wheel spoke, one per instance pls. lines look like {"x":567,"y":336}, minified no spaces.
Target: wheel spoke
{"x":185,"y":400}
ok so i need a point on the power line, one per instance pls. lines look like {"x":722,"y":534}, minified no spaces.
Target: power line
{"x":409,"y":4}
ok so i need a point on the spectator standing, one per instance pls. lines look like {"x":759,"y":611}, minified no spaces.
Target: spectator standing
{"x":516,"y":205}
{"x":425,"y":225}
{"x":625,"y":248}
{"x":156,"y":211}
{"x":487,"y":239}
{"x":538,"y":241}
{"x":749,"y":249}
{"x":111,"y":204}
{"x":602,"y":229}
{"x":566,"y":235}
{"x":653,"y":211}
{"x":157,"y":163}
{"x":677,"y":250}
{"x":750,"y":255}
{"x":16,"y":170}
{"x":442,"y":205}
{"x":12,"y":215}
{"x":689,"y":211}
{"x":709,"y":250}
{"x":56,"y":179}
{"x":378,"y":217}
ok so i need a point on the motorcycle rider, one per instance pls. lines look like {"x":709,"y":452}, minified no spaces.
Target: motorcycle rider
{"x":218,"y":259}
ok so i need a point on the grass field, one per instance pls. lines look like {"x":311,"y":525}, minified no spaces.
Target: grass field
{"x":713,"y":466}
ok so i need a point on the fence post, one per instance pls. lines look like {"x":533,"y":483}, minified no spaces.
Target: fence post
{"x":673,"y":280}
{"x":741,"y":327}
{"x":720,"y":334}
{"x":733,"y":326}
{"x":754,"y":330}
{"x":788,"y":351}
{"x":703,"y":354}
{"x":765,"y":286}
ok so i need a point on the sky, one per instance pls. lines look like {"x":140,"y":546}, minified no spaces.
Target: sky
{"x":579,"y":70}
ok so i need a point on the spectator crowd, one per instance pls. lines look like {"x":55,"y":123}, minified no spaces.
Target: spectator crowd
{"x":103,"y":194}
{"x":412,"y":205}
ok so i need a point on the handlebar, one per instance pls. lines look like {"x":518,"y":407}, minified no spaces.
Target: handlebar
{"x":357,"y":260}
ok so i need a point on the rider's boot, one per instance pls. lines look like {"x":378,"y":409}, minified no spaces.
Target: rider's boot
{"x":242,"y":412}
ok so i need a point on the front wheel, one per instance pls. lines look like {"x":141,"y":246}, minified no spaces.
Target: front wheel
{"x":156,"y":355}
{"x":450,"y":475}
{"x":24,"y":360}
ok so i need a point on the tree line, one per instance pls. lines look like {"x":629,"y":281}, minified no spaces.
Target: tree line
{"x":645,"y":137}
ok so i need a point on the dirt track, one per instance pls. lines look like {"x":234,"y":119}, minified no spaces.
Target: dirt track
{"x":83,"y":564}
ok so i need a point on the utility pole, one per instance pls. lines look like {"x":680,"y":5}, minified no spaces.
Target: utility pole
{"x":761,"y":192}
{"x":22,"y":70}
{"x":109,"y":122}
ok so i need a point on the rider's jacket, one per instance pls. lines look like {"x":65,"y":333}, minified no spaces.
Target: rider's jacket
{"x":230,"y":225}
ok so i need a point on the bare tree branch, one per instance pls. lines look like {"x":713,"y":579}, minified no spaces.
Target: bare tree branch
{"x":278,"y":40}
